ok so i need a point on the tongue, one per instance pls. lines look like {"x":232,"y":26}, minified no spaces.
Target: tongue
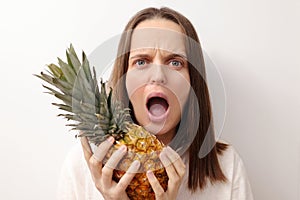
{"x":157,"y":110}
{"x":157,"y":106}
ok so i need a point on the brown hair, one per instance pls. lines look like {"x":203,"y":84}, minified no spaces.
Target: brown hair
{"x":191,"y":131}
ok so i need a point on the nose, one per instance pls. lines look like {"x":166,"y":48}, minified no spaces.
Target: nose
{"x":158,"y":74}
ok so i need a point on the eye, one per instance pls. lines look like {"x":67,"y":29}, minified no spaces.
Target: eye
{"x":176,"y":63}
{"x":140,"y":62}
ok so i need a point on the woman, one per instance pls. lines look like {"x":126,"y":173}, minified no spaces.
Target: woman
{"x":160,"y":55}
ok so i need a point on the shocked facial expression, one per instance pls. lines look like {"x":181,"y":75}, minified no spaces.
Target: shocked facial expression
{"x":157,"y":80}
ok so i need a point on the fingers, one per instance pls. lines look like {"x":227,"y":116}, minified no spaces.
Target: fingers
{"x":102,"y":149}
{"x":175,"y":169}
{"x":100,"y":152}
{"x":174,"y":166}
{"x":112,"y":163}
{"x":94,"y":161}
{"x":158,"y":190}
{"x":170,"y":158}
{"x":102,"y":175}
{"x":87,"y":151}
{"x":128,"y":176}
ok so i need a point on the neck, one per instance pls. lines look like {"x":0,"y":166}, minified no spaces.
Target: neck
{"x":166,"y":138}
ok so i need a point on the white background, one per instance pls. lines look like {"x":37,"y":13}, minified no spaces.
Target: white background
{"x":254,"y":43}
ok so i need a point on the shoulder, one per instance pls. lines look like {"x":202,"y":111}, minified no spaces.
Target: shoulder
{"x":75,"y":157}
{"x":74,"y":165}
{"x":228,"y":154}
{"x":75,"y":180}
{"x":235,"y":188}
{"x":233,"y":168}
{"x":229,"y":158}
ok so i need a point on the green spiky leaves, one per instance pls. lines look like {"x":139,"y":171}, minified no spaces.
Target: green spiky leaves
{"x":95,"y":112}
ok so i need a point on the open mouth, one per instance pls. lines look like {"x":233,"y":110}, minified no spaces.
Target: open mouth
{"x":157,"y":108}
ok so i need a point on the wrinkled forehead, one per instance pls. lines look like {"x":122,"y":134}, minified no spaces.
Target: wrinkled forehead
{"x":157,"y":38}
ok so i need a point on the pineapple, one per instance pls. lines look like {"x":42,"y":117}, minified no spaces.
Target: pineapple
{"x":97,"y":115}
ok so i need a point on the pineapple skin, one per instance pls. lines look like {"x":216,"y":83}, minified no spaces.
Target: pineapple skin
{"x":144,"y":147}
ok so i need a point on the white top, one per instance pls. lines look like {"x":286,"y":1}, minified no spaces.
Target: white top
{"x":76,"y":182}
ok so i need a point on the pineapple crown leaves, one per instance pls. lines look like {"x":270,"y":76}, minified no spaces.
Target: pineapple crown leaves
{"x":97,"y":113}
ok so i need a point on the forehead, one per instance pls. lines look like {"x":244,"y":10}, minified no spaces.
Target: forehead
{"x":159,"y":34}
{"x":152,"y":51}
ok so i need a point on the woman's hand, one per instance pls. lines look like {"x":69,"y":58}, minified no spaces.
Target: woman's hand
{"x":102,"y":176}
{"x":175,"y":169}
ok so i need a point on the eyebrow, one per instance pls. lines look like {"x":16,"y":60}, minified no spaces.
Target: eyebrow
{"x":168,"y":56}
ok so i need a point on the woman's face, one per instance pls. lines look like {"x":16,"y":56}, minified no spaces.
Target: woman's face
{"x":157,"y":80}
